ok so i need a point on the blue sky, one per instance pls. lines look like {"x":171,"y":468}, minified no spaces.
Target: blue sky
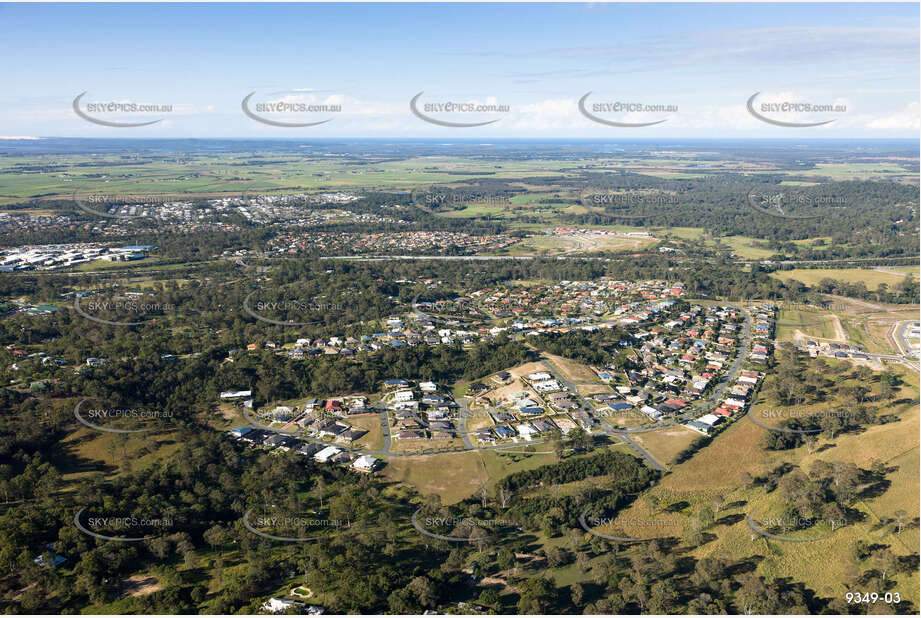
{"x":702,"y":60}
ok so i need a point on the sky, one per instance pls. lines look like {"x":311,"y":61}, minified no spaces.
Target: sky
{"x":697,"y":65}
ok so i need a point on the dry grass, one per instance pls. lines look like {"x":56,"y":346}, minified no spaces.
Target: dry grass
{"x":871,"y":278}
{"x":374,"y":439}
{"x":665,"y":444}
{"x":572,"y":370}
{"x":452,"y":476}
{"x":523,"y":370}
{"x":139,"y":585}
{"x":586,"y":390}
{"x":424,"y":444}
{"x":478,"y":421}
{"x":821,"y":565}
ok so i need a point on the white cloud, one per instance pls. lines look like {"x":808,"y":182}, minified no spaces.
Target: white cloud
{"x":908,"y":117}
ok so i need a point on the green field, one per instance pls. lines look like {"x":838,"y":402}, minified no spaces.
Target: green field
{"x":811,"y":323}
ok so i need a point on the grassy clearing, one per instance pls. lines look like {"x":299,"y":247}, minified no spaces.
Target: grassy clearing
{"x":572,"y":370}
{"x":107,"y":265}
{"x":452,"y":476}
{"x":421,"y":446}
{"x":745,"y":247}
{"x":810,"y":323}
{"x":665,"y":444}
{"x":586,"y":390}
{"x":869,"y":277}
{"x":87,"y":451}
{"x":227,"y":417}
{"x":859,"y":171}
{"x":479,"y":421}
{"x":499,"y":464}
{"x":374,"y":439}
{"x":914,"y":270}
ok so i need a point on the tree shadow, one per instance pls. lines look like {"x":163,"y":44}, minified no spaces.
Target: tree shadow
{"x":677,"y":507}
{"x":874,"y":490}
{"x":745,"y":565}
{"x":729,"y":520}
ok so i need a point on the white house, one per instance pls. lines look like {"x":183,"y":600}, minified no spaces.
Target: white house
{"x":710,"y":419}
{"x":236,"y":394}
{"x":326,"y":454}
{"x":539,"y":376}
{"x":527,"y":431}
{"x":365,"y":463}
{"x":277,"y":606}
{"x":428,"y":387}
{"x":403,"y":396}
{"x":546,"y":386}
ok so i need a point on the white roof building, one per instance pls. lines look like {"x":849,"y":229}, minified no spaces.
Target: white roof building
{"x":527,"y":431}
{"x":710,"y":419}
{"x":403,"y":396}
{"x":277,"y":606}
{"x":236,"y":394}
{"x":546,"y":386}
{"x":365,"y":463}
{"x":326,"y":454}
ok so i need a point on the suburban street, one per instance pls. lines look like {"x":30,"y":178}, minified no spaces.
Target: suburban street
{"x":620,"y":434}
